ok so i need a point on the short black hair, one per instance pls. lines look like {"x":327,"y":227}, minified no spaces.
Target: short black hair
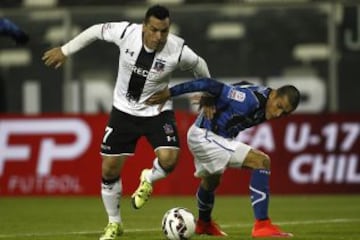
{"x":292,"y":93}
{"x":158,"y":11}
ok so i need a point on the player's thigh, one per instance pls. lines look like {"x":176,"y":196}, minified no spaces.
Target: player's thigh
{"x":238,"y":157}
{"x":121,"y":134}
{"x":161,"y":131}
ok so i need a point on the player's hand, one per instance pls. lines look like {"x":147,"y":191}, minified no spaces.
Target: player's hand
{"x":159,"y":97}
{"x":207,"y":103}
{"x":54,"y":57}
{"x":209,"y":111}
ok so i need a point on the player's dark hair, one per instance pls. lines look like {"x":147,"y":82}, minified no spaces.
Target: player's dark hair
{"x":158,"y":11}
{"x":292,"y":93}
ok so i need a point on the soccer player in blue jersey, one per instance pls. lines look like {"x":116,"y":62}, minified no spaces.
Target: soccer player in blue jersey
{"x":214,"y":147}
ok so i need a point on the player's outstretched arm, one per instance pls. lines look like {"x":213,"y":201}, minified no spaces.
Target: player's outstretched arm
{"x":199,"y":85}
{"x":209,"y":85}
{"x":57,"y":56}
{"x":54,"y":57}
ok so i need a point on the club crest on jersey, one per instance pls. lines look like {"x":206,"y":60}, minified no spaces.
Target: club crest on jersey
{"x":159,"y":65}
{"x":237,"y":95}
{"x":168,"y":129}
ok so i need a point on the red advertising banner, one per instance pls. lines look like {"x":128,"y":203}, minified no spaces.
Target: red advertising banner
{"x":59,"y":155}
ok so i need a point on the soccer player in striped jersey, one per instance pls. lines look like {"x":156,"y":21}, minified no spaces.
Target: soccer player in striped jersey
{"x":149,"y":54}
{"x":212,"y":141}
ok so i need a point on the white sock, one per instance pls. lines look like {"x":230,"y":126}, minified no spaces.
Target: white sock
{"x":156,"y":173}
{"x":111,"y":194}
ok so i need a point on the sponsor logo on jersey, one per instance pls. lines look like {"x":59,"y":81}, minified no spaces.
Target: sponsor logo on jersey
{"x":237,"y":95}
{"x":140,"y":71}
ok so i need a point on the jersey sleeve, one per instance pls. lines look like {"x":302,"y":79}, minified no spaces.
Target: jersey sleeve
{"x":86,"y":37}
{"x":113,"y":31}
{"x":110,"y":32}
{"x":188,"y":59}
{"x":199,"y":85}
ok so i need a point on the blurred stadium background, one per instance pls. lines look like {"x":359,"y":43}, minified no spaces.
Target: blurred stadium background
{"x":315,"y":44}
{"x":52,"y":121}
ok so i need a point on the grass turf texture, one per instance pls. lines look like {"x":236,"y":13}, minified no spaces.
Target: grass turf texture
{"x":307,"y":217}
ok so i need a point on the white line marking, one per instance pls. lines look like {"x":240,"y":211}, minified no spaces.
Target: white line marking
{"x":322,"y":221}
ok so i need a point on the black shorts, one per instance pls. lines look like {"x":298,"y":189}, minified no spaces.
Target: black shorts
{"x":124,"y":130}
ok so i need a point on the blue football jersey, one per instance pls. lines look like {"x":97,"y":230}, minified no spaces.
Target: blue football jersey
{"x":238,"y":106}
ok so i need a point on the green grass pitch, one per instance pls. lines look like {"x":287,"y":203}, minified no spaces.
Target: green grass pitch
{"x":74,"y":218}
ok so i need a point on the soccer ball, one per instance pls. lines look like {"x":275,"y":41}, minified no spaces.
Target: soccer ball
{"x":178,"y":224}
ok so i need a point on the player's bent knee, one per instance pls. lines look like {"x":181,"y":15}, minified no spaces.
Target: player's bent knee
{"x":211,"y":182}
{"x":265,"y":162}
{"x":168,"y":165}
{"x":257,"y":160}
{"x":168,"y":159}
{"x":111,"y":166}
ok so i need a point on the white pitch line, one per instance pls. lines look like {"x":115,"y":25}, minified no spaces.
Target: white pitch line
{"x":336,"y":220}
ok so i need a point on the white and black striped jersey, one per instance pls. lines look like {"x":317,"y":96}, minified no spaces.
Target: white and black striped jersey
{"x":141,"y":72}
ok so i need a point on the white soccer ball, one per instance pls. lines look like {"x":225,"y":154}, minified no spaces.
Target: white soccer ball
{"x":178,"y":224}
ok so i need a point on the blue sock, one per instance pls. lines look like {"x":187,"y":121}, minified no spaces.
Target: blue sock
{"x":259,"y":190}
{"x":205,"y":200}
